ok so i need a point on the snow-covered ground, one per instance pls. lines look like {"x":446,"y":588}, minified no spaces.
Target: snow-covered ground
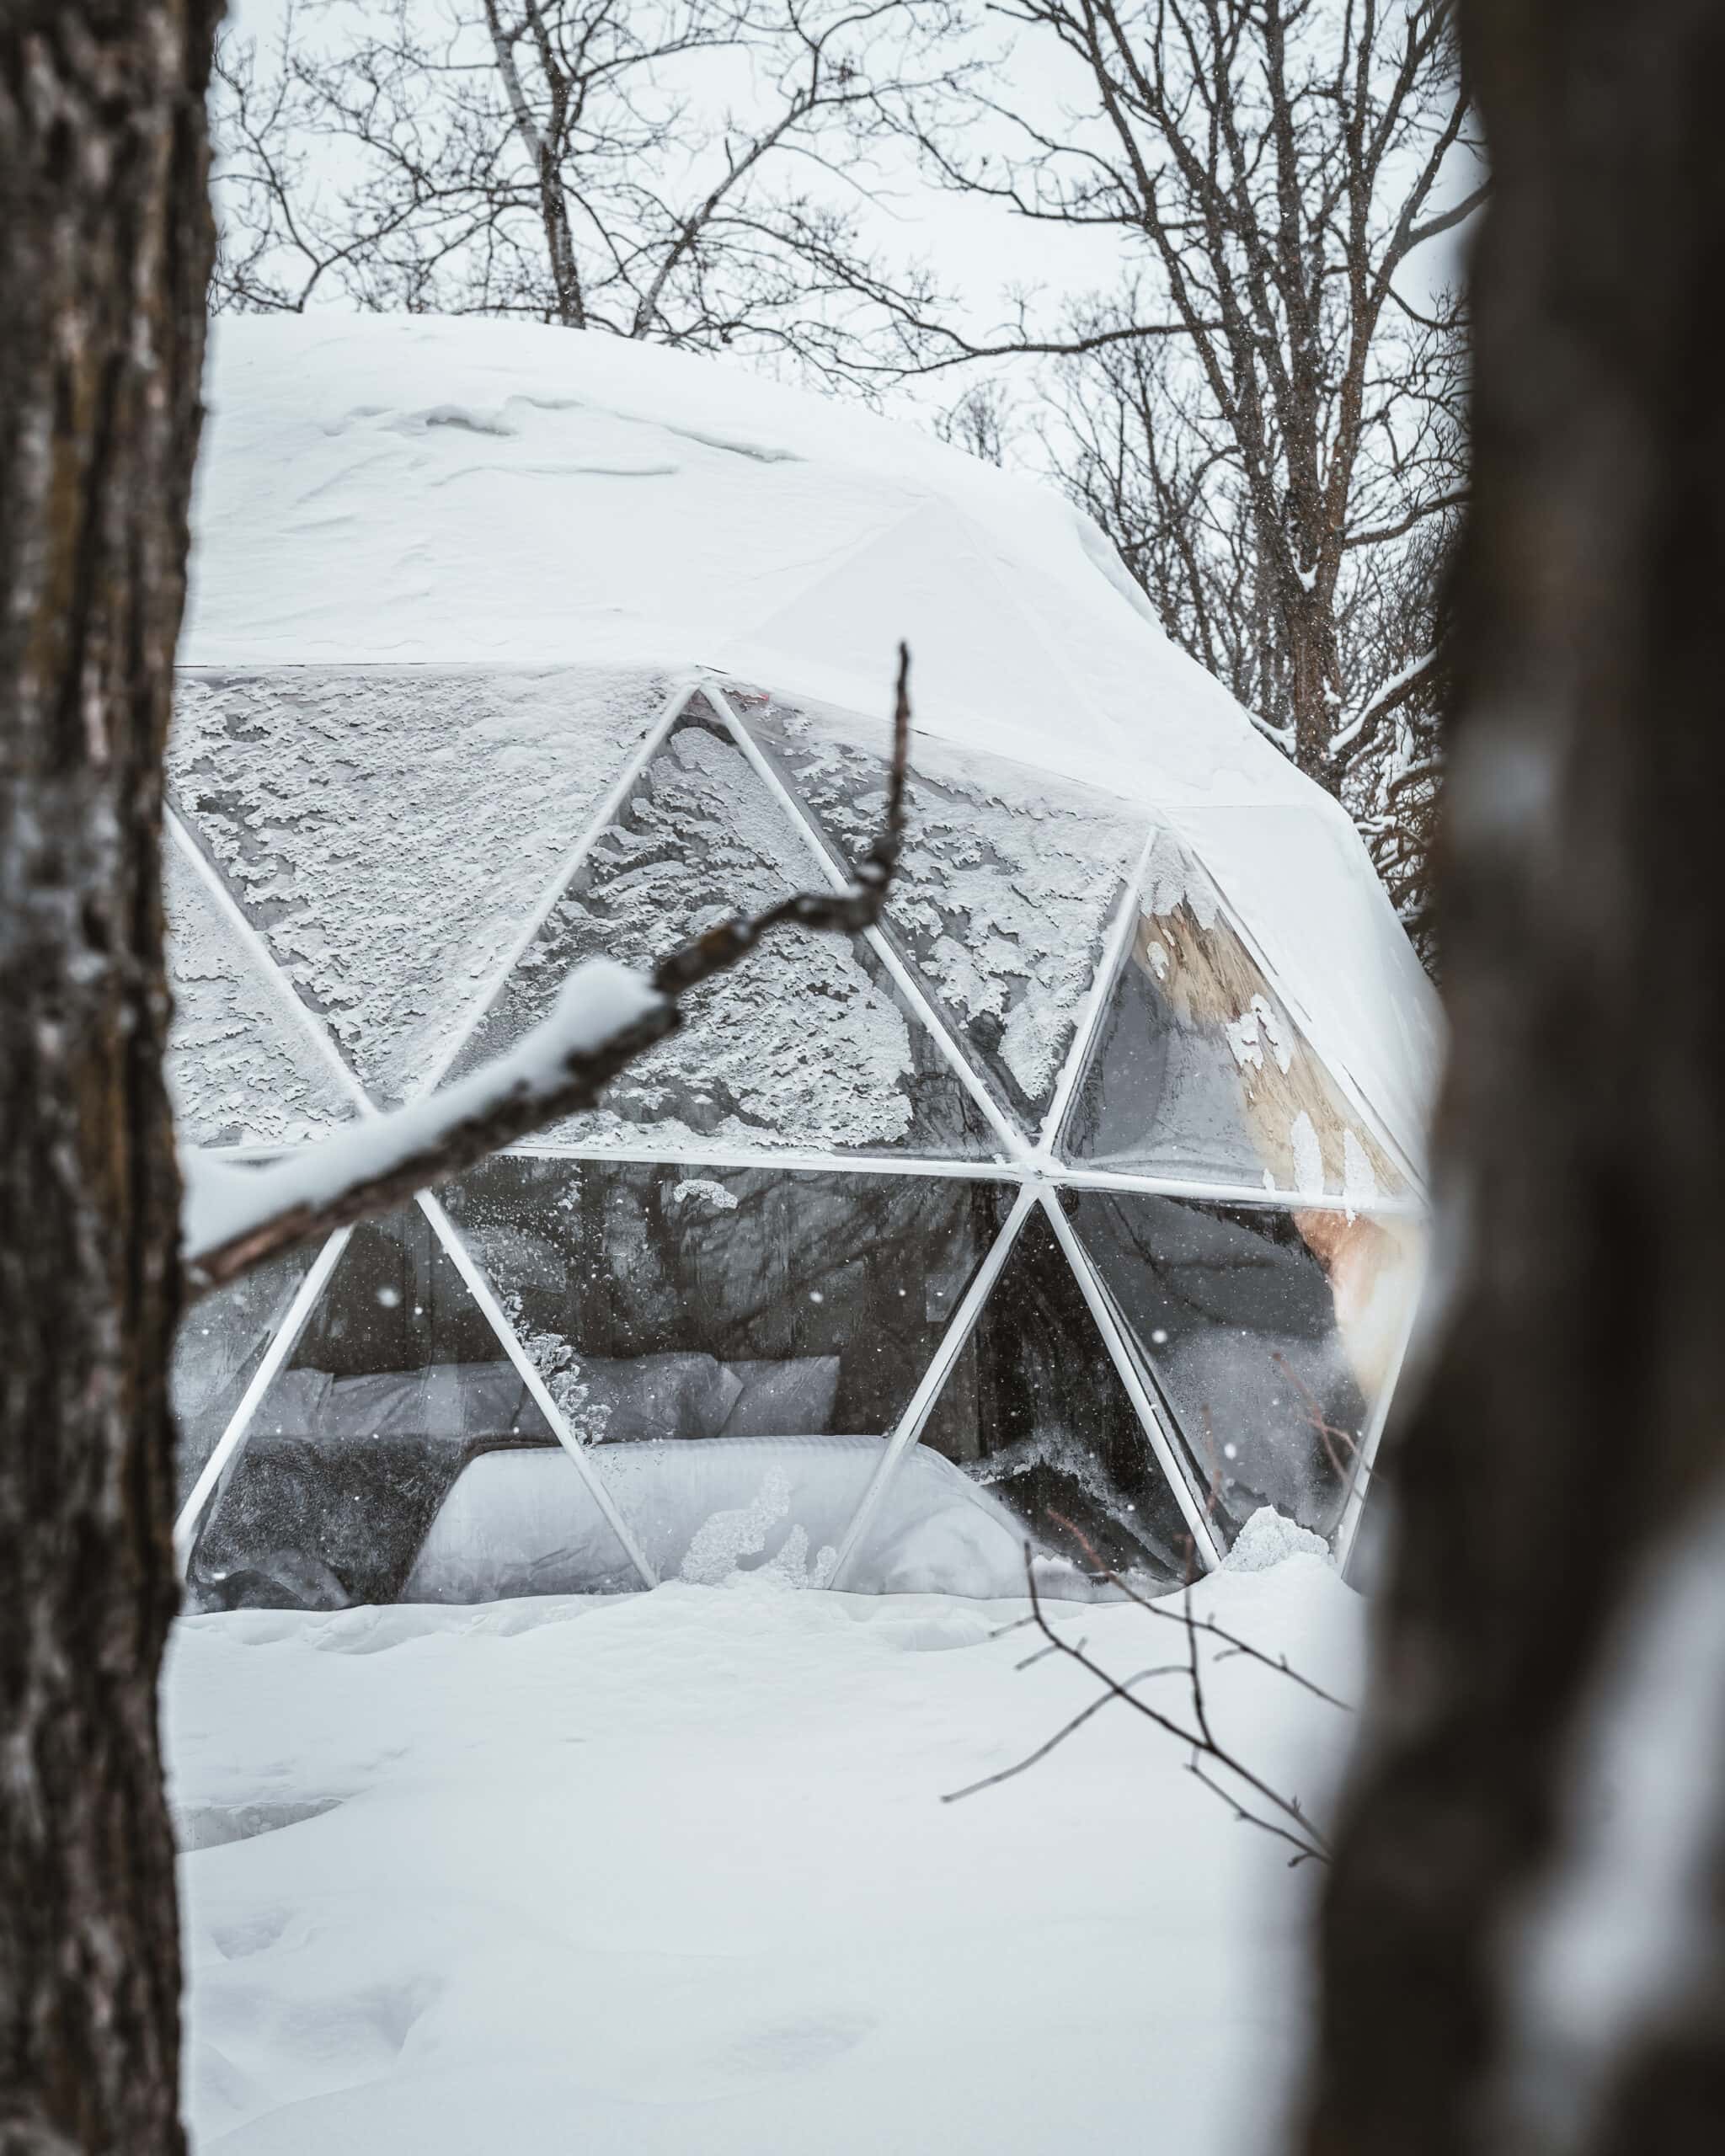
{"x":671,"y":1873}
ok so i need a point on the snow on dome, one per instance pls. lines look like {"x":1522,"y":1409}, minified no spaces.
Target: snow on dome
{"x":1085,"y":1190}
{"x":414,"y":490}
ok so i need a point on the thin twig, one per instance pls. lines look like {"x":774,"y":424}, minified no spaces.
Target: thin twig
{"x":1060,"y":1736}
{"x":1305,"y":1837}
{"x":1280,"y":1663}
{"x":1302,"y":1854}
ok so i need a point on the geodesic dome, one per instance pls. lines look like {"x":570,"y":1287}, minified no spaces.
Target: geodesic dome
{"x":1079,"y":1203}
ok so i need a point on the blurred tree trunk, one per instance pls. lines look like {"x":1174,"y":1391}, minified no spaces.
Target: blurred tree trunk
{"x":104,"y":250}
{"x":1570,"y":1428}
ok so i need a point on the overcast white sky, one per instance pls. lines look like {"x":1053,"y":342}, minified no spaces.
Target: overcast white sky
{"x":978,"y":250}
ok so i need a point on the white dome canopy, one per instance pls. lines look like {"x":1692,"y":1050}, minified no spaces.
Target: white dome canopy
{"x":1085,"y":1188}
{"x":415,"y":491}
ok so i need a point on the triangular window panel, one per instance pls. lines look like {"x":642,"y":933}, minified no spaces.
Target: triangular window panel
{"x":1197,"y":1071}
{"x":395,"y":1387}
{"x":734,"y":1345}
{"x":1004,"y":891}
{"x":241,"y":1066}
{"x":221,"y":1340}
{"x":1270,"y":1334}
{"x":807,"y":1045}
{"x":1034,"y":1413}
{"x":388,"y":833}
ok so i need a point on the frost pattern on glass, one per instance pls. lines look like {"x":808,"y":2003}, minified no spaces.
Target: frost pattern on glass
{"x":806,"y":1045}
{"x":724,"y":1539}
{"x":389,"y":833}
{"x":240,"y":1067}
{"x":560,"y":1367}
{"x":1199,"y":1070}
{"x":1004,"y":890}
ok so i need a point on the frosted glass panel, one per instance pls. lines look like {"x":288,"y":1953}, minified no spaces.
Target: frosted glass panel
{"x":806,"y":1045}
{"x":242,"y":1067}
{"x":733,"y":1344}
{"x":1004,"y":892}
{"x":1035,"y":1412}
{"x":389,"y":832}
{"x":221,"y":1341}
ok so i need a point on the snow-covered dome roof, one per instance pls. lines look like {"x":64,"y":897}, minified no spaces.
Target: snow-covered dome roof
{"x":416,"y":491}
{"x":1084,"y":1187}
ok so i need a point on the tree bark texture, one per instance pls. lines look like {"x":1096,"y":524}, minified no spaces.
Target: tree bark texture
{"x":105,"y":251}
{"x":1570,"y":1421}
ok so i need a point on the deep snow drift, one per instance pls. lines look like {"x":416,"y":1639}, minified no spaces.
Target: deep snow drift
{"x":671,"y":1873}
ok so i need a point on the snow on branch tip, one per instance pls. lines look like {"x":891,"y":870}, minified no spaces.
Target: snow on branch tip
{"x":604,"y":1017}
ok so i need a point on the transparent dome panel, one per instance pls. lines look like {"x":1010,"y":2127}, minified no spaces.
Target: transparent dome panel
{"x":1270,"y":1335}
{"x":388,"y":833}
{"x":1199,"y":1072}
{"x":243,"y":1066}
{"x":1005,"y":887}
{"x":732,"y":1344}
{"x":221,"y":1341}
{"x":397,"y":1382}
{"x":1033,"y":1412}
{"x":805,"y":1045}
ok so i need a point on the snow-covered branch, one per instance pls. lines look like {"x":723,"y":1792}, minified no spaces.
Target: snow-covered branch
{"x":234,"y":1216}
{"x":1395,"y":690}
{"x":604,"y":1017}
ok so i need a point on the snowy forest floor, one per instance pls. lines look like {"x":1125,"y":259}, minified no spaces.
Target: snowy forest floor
{"x":671,"y":1873}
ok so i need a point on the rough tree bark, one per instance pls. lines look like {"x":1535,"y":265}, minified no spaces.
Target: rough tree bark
{"x":104,"y":250}
{"x":1571,"y":1425}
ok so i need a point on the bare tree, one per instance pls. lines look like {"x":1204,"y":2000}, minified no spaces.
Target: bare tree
{"x":1266,"y":415}
{"x":1219,"y":1766}
{"x":574,"y":161}
{"x":1151,"y":473}
{"x":980,"y":421}
{"x":104,"y":248}
{"x":1523,"y":1942}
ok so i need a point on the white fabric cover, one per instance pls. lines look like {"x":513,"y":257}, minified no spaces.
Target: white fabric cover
{"x":524,"y":1523}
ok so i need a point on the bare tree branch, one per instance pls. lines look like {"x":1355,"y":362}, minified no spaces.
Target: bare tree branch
{"x":1282,"y":1817}
{"x":563,"y":161}
{"x":1272,"y":434}
{"x":1439,"y":505}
